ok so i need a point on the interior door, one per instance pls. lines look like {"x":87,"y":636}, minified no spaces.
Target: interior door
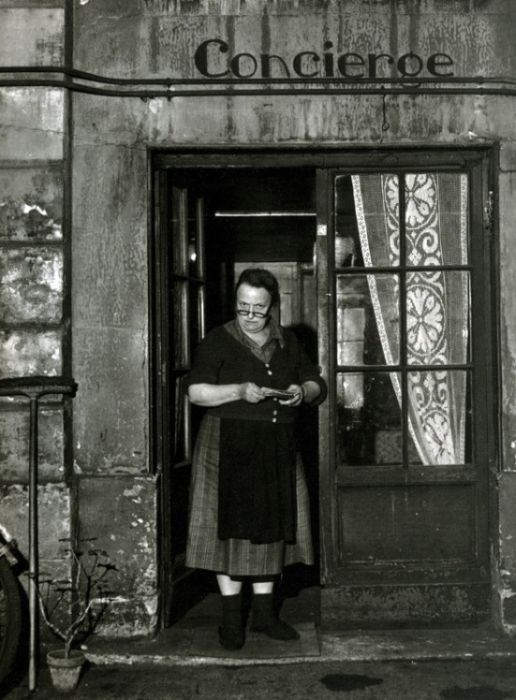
{"x":183,"y":282}
{"x":407,"y":436}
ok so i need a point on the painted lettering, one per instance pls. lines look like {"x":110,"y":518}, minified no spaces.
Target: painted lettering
{"x":237,"y":60}
{"x":410,"y":59}
{"x":266,"y":60}
{"x":213,"y":59}
{"x":329,"y":63}
{"x":347,"y":62}
{"x":438,"y":60}
{"x":373,"y":59}
{"x":202,"y":55}
{"x":297,"y":63}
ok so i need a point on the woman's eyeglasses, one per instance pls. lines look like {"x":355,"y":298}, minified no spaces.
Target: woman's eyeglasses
{"x":250,"y":311}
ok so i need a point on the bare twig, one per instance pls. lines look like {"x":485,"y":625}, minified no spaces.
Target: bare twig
{"x":83,"y":582}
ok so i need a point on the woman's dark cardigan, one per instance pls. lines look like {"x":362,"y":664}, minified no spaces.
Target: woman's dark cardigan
{"x":257,"y":458}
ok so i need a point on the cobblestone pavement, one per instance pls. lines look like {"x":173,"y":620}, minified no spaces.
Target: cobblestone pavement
{"x":490,"y":679}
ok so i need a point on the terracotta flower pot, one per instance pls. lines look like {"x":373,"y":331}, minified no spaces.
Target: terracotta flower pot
{"x":64,"y":671}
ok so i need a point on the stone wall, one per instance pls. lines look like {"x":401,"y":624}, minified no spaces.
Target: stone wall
{"x":36,"y":244}
{"x":159,"y":38}
{"x":33,"y":323}
{"x":103,"y":244}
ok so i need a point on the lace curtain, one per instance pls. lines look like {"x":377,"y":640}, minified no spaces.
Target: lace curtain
{"x":437,"y":301}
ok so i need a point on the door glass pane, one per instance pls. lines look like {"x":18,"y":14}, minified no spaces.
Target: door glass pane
{"x":179,"y":340}
{"x":439,"y":404}
{"x":309,"y":303}
{"x":367,"y":220}
{"x":196,"y":236}
{"x":436,"y":218}
{"x":181,"y":423}
{"x":369,"y":428}
{"x":180,"y":261}
{"x":195,"y":315}
{"x":367,"y":319}
{"x":438,"y":317}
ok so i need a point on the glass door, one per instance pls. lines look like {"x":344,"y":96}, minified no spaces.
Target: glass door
{"x":404,"y":291}
{"x":182,"y":278}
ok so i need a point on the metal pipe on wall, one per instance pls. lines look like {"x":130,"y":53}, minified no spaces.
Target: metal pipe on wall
{"x":216,"y":87}
{"x":34,"y":388}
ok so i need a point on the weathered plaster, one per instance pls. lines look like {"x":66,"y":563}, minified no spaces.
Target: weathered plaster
{"x":112,"y":135}
{"x":109,"y":229}
{"x":110,"y":237}
{"x":31,"y":285}
{"x":274,"y":7}
{"x":472,"y":38}
{"x":53,"y":520}
{"x":507,"y":188}
{"x":31,"y":203}
{"x":32,"y":123}
{"x":508,"y":155}
{"x":30,"y":36}
{"x":507,"y":583}
{"x":121,"y":514}
{"x":133,"y":124}
{"x":110,"y":410}
{"x":14,"y":445}
{"x":24,"y":353}
{"x":54,"y":526}
{"x":110,"y":309}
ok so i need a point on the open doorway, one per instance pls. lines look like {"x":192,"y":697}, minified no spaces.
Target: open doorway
{"x":212,"y":224}
{"x":398,"y":520}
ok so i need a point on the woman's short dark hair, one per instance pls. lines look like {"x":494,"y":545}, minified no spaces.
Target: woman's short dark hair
{"x":259,"y":277}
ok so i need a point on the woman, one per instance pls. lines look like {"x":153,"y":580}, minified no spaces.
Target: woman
{"x":249,"y":507}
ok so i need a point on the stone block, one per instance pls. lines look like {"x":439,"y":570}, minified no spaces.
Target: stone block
{"x":128,"y":616}
{"x":120,"y":514}
{"x":507,"y":215}
{"x":32,"y":123}
{"x":110,"y":236}
{"x":31,"y":285}
{"x":31,"y":36}
{"x":508,"y":155}
{"x":507,"y":519}
{"x":509,"y":610}
{"x":39,"y":4}
{"x":14,"y":445}
{"x":27,"y":352}
{"x":497,"y":7}
{"x":164,"y":36}
{"x":31,"y":203}
{"x":507,"y":545}
{"x":121,"y":8}
{"x":111,"y":408}
{"x":262,"y":120}
{"x":53,"y":520}
{"x":53,"y":527}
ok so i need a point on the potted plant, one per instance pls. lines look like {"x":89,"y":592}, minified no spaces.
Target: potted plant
{"x":72,"y":608}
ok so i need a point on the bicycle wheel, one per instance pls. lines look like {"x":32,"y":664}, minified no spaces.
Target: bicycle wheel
{"x":10,"y":618}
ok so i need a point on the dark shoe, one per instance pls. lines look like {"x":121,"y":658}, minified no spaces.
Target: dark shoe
{"x":277,"y":630}
{"x":266,"y":621}
{"x":231,"y":638}
{"x":232,"y":631}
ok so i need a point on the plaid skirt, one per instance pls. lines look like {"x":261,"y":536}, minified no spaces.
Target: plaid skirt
{"x":235,"y":557}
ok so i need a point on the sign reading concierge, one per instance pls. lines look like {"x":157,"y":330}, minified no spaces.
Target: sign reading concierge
{"x":213,"y":59}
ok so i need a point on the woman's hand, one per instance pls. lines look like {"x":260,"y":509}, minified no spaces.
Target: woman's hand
{"x":211,"y":395}
{"x":251,"y":393}
{"x":299,"y":395}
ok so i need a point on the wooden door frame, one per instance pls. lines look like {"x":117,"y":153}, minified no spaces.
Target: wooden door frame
{"x":320,"y":158}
